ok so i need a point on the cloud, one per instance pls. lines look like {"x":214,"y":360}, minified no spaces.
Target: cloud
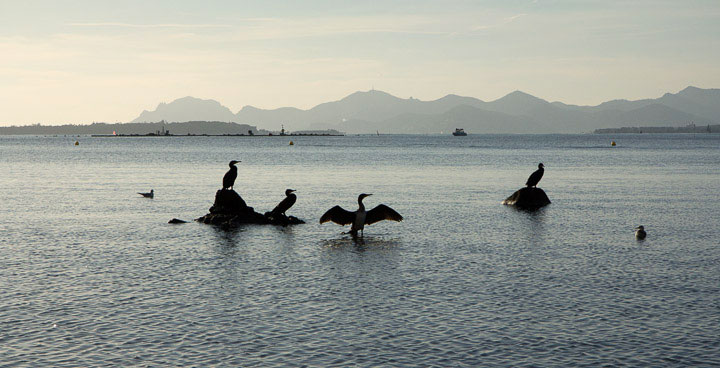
{"x":277,"y":28}
{"x":290,"y":28}
{"x":512,"y":18}
{"x":503,"y":22}
{"x":161,"y":25}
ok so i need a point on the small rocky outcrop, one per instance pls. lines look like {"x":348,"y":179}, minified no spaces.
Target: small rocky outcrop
{"x":230,"y":209}
{"x":528,"y":198}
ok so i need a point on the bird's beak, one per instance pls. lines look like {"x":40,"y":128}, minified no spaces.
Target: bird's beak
{"x":293,"y":190}
{"x":369,"y":195}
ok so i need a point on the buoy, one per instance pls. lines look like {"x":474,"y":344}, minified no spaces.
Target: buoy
{"x":612,"y":143}
{"x":77,"y":143}
{"x":291,"y":143}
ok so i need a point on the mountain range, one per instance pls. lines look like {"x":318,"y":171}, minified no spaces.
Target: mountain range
{"x":517,"y":112}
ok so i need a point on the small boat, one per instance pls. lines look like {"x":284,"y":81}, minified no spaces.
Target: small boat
{"x":459,"y":132}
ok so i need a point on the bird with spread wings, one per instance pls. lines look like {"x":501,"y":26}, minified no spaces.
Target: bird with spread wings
{"x":361,"y":217}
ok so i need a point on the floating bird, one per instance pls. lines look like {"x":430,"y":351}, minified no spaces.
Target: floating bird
{"x":360,"y":218}
{"x":230,"y":176}
{"x":286,"y":203}
{"x":148,"y":195}
{"x":640,"y":233}
{"x":535,"y":177}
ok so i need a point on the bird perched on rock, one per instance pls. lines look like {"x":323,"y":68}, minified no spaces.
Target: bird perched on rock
{"x":640,"y":233}
{"x":286,"y":203}
{"x":535,"y":177}
{"x":230,"y":176}
{"x":360,"y":218}
{"x":148,"y":195}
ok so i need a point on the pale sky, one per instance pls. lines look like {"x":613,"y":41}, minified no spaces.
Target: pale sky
{"x":91,"y":60}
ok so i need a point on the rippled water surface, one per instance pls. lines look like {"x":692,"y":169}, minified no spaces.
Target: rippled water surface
{"x":91,"y":274}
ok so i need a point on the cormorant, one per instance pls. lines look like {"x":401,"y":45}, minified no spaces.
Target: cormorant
{"x":230,"y":176}
{"x":640,"y":233}
{"x":360,"y":218}
{"x":535,"y":177}
{"x":148,"y":195}
{"x":286,"y":203}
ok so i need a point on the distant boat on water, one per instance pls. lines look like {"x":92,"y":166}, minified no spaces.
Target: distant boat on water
{"x":459,"y":132}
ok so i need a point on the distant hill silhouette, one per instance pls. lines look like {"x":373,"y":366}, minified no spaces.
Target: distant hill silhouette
{"x":691,"y":128}
{"x":517,"y":112}
{"x":190,"y":127}
{"x":187,"y":109}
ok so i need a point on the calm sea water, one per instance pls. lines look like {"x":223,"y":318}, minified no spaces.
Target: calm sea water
{"x":91,"y":274}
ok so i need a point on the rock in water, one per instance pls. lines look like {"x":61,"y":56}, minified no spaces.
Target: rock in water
{"x":228,"y":202}
{"x":177,"y":221}
{"x":528,"y":198}
{"x":230,"y":209}
{"x":282,"y":220}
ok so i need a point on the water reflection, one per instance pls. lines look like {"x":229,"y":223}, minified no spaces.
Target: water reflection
{"x":360,"y":244}
{"x":226,"y":237}
{"x":529,"y":224}
{"x":535,"y":229}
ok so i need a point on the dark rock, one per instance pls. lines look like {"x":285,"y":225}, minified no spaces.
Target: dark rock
{"x":230,"y":210}
{"x":528,"y":198}
{"x":177,"y":221}
{"x":227,"y":201}
{"x":282,"y":220}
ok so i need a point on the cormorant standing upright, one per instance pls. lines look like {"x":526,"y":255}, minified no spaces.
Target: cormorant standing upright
{"x":286,"y":203}
{"x":360,"y":218}
{"x":230,"y":176}
{"x":535,"y":177}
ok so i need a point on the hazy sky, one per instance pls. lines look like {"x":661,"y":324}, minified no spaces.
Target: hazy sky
{"x":84,"y":61}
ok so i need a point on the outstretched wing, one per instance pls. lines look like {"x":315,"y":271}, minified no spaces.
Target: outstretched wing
{"x":382,"y":212}
{"x":338,"y":215}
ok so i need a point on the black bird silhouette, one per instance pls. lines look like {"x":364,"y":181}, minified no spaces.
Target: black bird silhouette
{"x":148,"y":195}
{"x":286,"y":203}
{"x":230,"y":176}
{"x":535,"y":177}
{"x":640,"y":233}
{"x":360,"y":218}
